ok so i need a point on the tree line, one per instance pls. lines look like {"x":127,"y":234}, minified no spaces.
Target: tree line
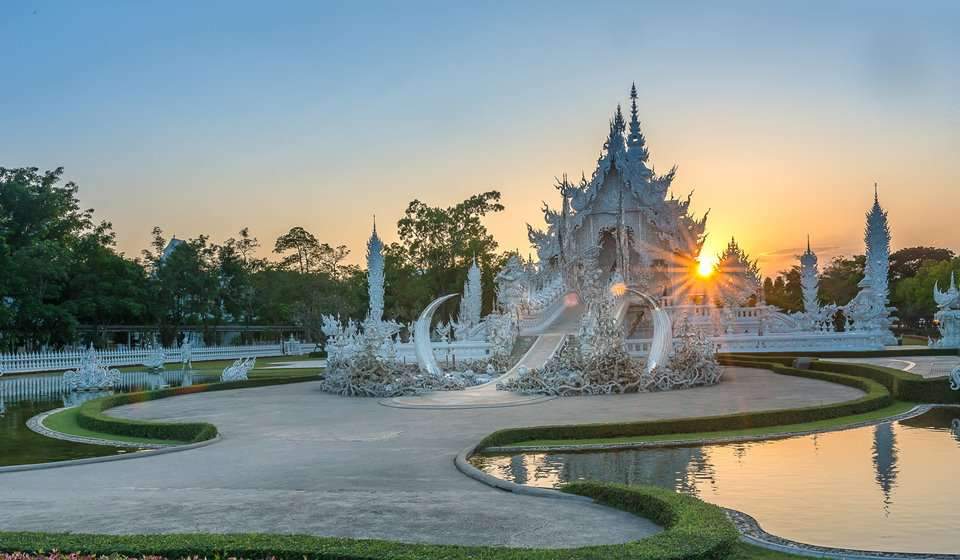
{"x":913,"y":273}
{"x":60,"y":270}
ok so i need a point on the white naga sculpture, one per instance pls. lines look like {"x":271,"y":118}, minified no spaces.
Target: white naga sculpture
{"x":948,"y":314}
{"x":156,"y":358}
{"x":92,"y":375}
{"x":239,"y":370}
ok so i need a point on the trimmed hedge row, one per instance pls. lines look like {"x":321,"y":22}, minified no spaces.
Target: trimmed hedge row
{"x":91,"y":415}
{"x":694,"y":530}
{"x":877,"y":396}
{"x":889,"y":353}
{"x":903,"y":385}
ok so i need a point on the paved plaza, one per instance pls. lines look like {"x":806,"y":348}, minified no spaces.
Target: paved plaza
{"x":295,"y":460}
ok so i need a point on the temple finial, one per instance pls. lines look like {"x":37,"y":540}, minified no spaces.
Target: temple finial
{"x":374,"y":223}
{"x":808,"y":243}
{"x":876,"y":195}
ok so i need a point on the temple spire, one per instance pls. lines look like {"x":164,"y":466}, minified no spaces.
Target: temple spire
{"x":636,"y":143}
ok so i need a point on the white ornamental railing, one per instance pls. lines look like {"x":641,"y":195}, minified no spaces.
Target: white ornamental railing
{"x":70,"y":359}
{"x":779,"y":342}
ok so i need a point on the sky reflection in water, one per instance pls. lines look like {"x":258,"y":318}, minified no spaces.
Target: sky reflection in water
{"x":886,"y":487}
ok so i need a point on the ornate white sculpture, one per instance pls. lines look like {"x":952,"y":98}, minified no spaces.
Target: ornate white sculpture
{"x":467,"y":326}
{"x":425,"y":357}
{"x":156,"y":358}
{"x":92,"y":375}
{"x":239,"y":370}
{"x":375,"y":275}
{"x":511,"y":285}
{"x":868,"y":311}
{"x":948,"y":314}
{"x":955,"y":379}
{"x":186,"y":352}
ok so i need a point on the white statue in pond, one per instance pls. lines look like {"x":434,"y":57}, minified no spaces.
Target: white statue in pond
{"x":91,"y":375}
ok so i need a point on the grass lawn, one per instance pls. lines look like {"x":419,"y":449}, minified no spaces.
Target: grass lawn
{"x":879,"y":414}
{"x":66,"y":421}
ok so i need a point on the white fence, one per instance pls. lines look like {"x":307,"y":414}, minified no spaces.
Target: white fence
{"x":70,"y":359}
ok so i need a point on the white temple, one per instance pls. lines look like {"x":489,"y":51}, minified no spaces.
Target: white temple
{"x":626,"y":227}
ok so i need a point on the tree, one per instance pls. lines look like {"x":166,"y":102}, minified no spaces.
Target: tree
{"x":838,"y":282}
{"x":304,"y":246}
{"x":41,"y":224}
{"x":104,"y":287}
{"x":436,"y":248}
{"x":906,"y":263}
{"x":913,"y":296}
{"x":785,"y":291}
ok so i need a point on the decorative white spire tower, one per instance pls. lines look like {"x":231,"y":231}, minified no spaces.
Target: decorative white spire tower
{"x":809,"y":280}
{"x":868,"y":311}
{"x":375,"y":275}
{"x":877,"y":238}
{"x":472,"y":299}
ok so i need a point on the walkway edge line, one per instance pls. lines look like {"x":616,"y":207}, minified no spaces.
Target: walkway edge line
{"x":915,"y":411}
{"x":107,"y":458}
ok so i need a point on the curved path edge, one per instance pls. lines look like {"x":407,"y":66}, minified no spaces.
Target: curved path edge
{"x":750,"y":530}
{"x":915,"y":411}
{"x":36,"y":424}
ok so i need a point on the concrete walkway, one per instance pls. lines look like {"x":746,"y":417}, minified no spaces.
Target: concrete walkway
{"x":294,"y":460}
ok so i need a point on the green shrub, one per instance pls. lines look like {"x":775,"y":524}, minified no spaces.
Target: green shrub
{"x":91,"y":415}
{"x":694,"y":530}
{"x":877,"y":396}
{"x":903,"y":385}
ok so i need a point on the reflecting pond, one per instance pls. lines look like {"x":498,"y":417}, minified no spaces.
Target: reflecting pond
{"x":888,"y":487}
{"x":23,"y":397}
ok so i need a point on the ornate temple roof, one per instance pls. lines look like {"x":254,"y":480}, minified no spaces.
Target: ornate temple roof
{"x":625,"y":154}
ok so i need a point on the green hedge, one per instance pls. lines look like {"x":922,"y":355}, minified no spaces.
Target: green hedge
{"x":903,"y":385}
{"x":91,"y":415}
{"x":877,"y":396}
{"x":888,"y":353}
{"x":694,"y":530}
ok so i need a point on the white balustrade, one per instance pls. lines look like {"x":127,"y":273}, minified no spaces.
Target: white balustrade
{"x":70,"y":359}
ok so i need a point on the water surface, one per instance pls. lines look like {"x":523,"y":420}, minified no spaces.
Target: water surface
{"x":889,"y":487}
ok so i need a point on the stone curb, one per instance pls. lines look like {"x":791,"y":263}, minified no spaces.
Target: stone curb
{"x":752,"y":533}
{"x":915,"y":411}
{"x":463,"y":465}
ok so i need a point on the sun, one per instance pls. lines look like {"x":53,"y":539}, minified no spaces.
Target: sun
{"x":705,"y":265}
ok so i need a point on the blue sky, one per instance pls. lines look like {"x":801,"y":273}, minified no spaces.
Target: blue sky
{"x":204,"y":117}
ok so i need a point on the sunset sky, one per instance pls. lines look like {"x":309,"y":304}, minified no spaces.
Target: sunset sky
{"x":206,"y":117}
